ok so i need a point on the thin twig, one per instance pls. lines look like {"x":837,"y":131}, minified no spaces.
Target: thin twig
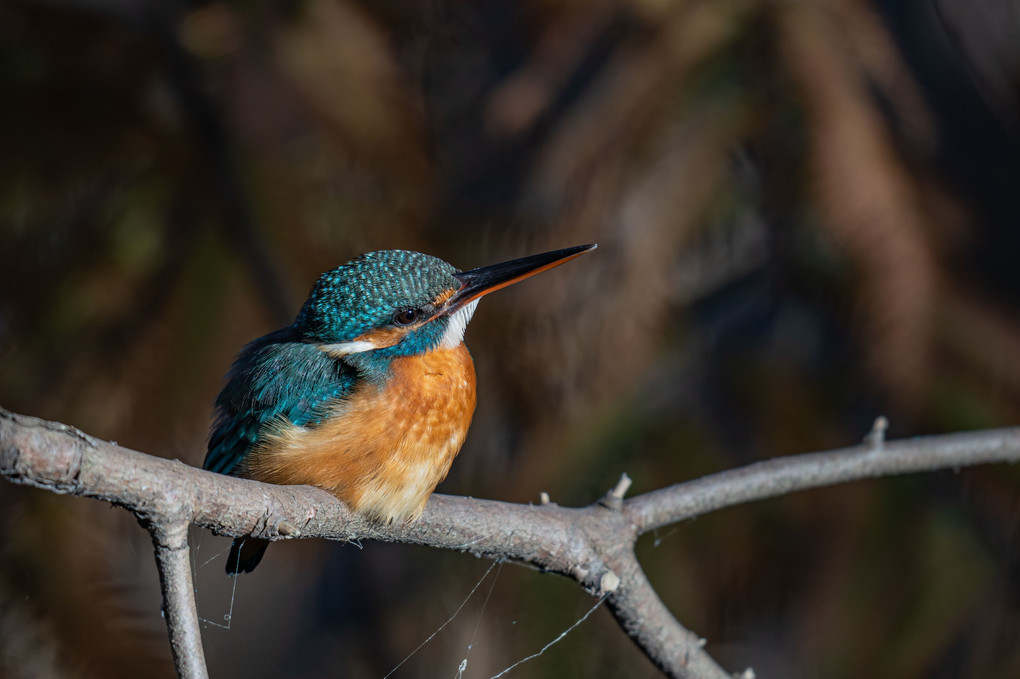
{"x":783,"y":475}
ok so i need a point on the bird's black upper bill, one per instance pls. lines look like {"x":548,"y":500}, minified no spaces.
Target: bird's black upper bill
{"x":482,"y":281}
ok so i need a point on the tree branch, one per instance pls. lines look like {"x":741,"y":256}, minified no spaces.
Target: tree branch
{"x":179,"y":608}
{"x":779,"y":476}
{"x":593,"y":545}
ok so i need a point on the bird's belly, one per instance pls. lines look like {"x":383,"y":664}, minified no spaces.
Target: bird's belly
{"x":385,"y":448}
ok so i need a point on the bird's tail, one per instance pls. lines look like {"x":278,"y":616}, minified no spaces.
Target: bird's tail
{"x":245,"y":555}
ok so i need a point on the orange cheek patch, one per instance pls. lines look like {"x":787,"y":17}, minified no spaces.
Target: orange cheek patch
{"x":384,"y":337}
{"x":443,"y":297}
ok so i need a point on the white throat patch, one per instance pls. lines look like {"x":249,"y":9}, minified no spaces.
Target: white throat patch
{"x":457,"y":324}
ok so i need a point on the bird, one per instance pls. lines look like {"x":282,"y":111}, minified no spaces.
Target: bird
{"x":369,"y":393}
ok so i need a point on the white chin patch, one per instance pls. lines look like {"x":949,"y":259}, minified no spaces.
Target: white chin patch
{"x":457,"y":325}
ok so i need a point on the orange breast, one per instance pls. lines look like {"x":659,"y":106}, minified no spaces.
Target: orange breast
{"x":384,"y":449}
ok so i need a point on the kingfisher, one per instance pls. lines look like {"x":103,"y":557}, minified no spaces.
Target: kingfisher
{"x":369,"y":393}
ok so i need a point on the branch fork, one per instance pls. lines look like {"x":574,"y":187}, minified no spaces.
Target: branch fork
{"x":593,"y":545}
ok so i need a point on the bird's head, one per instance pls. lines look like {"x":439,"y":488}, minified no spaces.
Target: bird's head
{"x":398,"y":303}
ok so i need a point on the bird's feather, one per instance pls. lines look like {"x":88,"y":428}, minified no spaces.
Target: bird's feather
{"x":382,"y":449}
{"x":276,"y":382}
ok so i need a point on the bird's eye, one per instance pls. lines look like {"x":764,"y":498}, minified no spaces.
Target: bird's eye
{"x":406,"y":316}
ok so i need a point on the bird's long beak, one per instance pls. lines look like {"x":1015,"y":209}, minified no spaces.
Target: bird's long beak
{"x":478,"y":282}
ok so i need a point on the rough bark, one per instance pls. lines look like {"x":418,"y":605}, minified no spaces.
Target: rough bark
{"x":593,"y":545}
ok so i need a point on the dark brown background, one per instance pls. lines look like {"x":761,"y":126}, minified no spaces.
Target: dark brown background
{"x":807,"y":217}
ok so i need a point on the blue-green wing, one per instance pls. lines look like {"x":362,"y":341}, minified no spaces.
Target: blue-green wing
{"x":274,"y":381}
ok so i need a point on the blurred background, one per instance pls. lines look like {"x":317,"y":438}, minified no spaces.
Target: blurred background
{"x":807,"y":218}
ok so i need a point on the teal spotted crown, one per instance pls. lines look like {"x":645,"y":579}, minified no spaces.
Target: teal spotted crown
{"x":365,"y":293}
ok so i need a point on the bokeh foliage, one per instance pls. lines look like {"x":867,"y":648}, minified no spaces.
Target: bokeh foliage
{"x":806,"y":219}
